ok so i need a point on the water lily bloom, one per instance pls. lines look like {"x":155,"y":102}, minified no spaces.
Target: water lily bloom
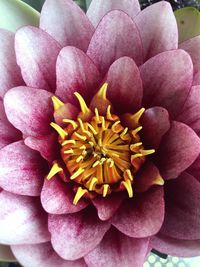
{"x":99,"y":136}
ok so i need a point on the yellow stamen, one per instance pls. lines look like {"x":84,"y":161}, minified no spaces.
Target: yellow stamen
{"x":128,"y":186}
{"x":79,"y":194}
{"x":97,"y":115}
{"x":54,"y":170}
{"x":92,"y":129}
{"x":83,"y":105}
{"x":73,"y":123}
{"x":93,"y":183}
{"x":81,"y":124}
{"x":133,"y":146}
{"x":105,"y":189}
{"x":70,"y":151}
{"x":128,"y":175}
{"x":77,"y":173}
{"x":57,"y":103}
{"x":80,"y":158}
{"x":102,"y":91}
{"x":138,"y":155}
{"x":159,"y":180}
{"x":136,"y":117}
{"x":147,"y":152}
{"x":82,"y":137}
{"x":68,"y":142}
{"x":59,"y":130}
{"x":134,"y":132}
{"x":96,"y":163}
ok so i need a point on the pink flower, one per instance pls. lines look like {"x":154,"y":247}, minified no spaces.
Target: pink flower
{"x":99,"y":136}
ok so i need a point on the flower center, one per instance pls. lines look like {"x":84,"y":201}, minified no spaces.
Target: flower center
{"x":100,"y":153}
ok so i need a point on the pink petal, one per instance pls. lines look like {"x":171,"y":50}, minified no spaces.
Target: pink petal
{"x":42,"y":255}
{"x":46,"y":145}
{"x":116,"y":36}
{"x":21,"y":170}
{"x":141,"y":216}
{"x":167,"y":79}
{"x":124,"y":85}
{"x":106,"y":207}
{"x":67,"y":23}
{"x":74,"y":235}
{"x":176,"y":247}
{"x":68,"y":111}
{"x":99,"y":8}
{"x":57,"y":197}
{"x":192,"y":46}
{"x":178,"y":150}
{"x":8,"y":133}
{"x":194,"y":169}
{"x":22,"y":221}
{"x":30,"y":110}
{"x":36,"y":53}
{"x":155,"y":123}
{"x":10,"y":75}
{"x":182,"y":200}
{"x":6,"y":254}
{"x":190,"y":114}
{"x":75,"y":72}
{"x":117,"y":250}
{"x":158,"y":29}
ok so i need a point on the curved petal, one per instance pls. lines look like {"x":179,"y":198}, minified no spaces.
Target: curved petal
{"x":158,"y":29}
{"x":194,"y":169}
{"x":42,"y":255}
{"x":178,"y":150}
{"x":155,"y":123}
{"x":74,"y":235}
{"x":190,"y":114}
{"x":67,"y":23}
{"x":8,"y":133}
{"x":36,"y":53}
{"x":57,"y":197}
{"x":116,"y":250}
{"x":124,"y":85}
{"x":10,"y":75}
{"x":141,"y":216}
{"x":6,"y":254}
{"x":30,"y":110}
{"x":182,"y":198}
{"x":22,"y":170}
{"x":192,"y":46}
{"x":167,"y":79}
{"x":22,"y":220}
{"x":18,"y":14}
{"x":75,"y":73}
{"x":106,"y":207}
{"x":46,"y":145}
{"x":175,"y":247}
{"x":99,"y":8}
{"x":116,"y":36}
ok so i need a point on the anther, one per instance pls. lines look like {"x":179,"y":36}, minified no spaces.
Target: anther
{"x":136,"y":117}
{"x":102,"y":91}
{"x":59,"y":130}
{"x":133,"y":146}
{"x":93,"y":182}
{"x":68,"y":142}
{"x":54,"y":170}
{"x":79,"y":159}
{"x":96,"y":163}
{"x":97,"y":115}
{"x":128,"y":175}
{"x":70,"y":151}
{"x":82,"y":137}
{"x":73,"y":123}
{"x":77,"y":173}
{"x":134,"y":132}
{"x":147,"y":152}
{"x":83,"y":105}
{"x":57,"y":103}
{"x":116,"y":127}
{"x":79,"y":194}
{"x":81,"y":124}
{"x":92,"y":129}
{"x":105,"y":189}
{"x":138,"y":155}
{"x":128,"y":186}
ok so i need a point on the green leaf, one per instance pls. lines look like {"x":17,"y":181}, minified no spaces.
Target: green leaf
{"x":15,"y":14}
{"x":188,"y":21}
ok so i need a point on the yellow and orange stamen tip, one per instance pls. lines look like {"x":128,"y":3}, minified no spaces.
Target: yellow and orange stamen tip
{"x":103,"y":91}
{"x":128,"y":175}
{"x":158,"y":181}
{"x":77,"y":173}
{"x":79,"y":194}
{"x":147,"y":152}
{"x":135,"y":156}
{"x":54,"y":170}
{"x":83,"y":105}
{"x":105,"y":189}
{"x":69,"y":151}
{"x":136,"y":117}
{"x":68,"y":142}
{"x":127,"y":184}
{"x":57,"y":103}
{"x":72,"y":122}
{"x":138,"y":129}
{"x":134,"y":146}
{"x":62,"y":133}
{"x":93,"y":182}
{"x":81,"y":125}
